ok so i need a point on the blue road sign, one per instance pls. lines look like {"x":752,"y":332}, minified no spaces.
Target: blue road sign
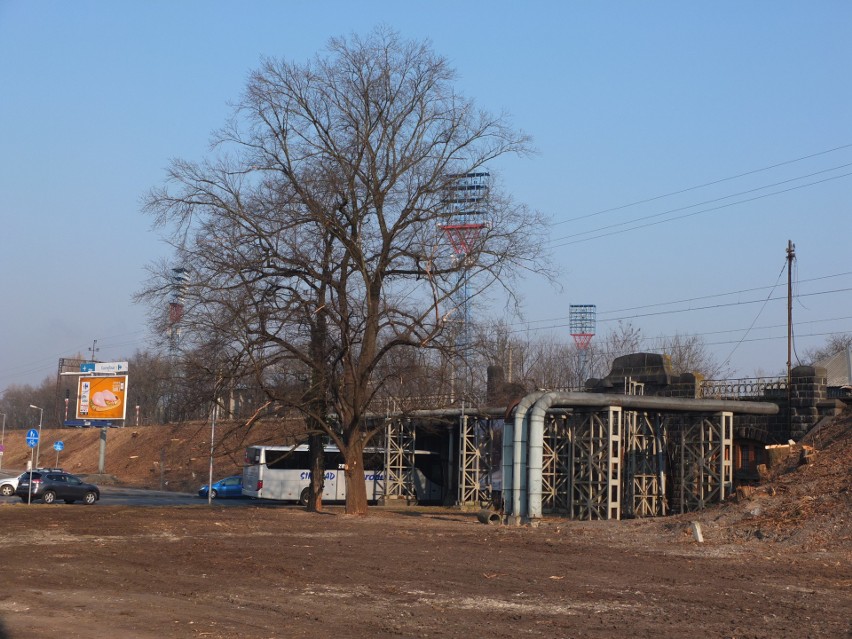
{"x":32,"y":437}
{"x":58,"y":446}
{"x":87,"y":367}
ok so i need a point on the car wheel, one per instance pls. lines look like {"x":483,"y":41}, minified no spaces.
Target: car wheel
{"x":90,"y":498}
{"x":305,"y":497}
{"x":6,"y":490}
{"x":213,"y":494}
{"x":48,"y":497}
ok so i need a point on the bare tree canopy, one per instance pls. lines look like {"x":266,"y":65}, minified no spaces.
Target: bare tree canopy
{"x":314,"y":237}
{"x":689,"y":354}
{"x":834,"y":344}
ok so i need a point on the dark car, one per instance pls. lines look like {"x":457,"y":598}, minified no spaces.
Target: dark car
{"x":228,"y":487}
{"x":50,"y":486}
{"x":9,"y":484}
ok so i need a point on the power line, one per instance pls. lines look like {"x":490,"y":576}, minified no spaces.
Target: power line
{"x":687,"y":215}
{"x":688,"y":310}
{"x":768,"y":297}
{"x":605,"y":351}
{"x":711,"y":201}
{"x":686,"y":300}
{"x":706,"y":184}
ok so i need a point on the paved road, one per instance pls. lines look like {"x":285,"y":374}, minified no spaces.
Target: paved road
{"x":120,"y":496}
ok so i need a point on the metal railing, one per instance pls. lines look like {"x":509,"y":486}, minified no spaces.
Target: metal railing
{"x":747,"y":387}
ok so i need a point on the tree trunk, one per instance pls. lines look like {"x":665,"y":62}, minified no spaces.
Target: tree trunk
{"x":317,"y":457}
{"x":356,"y":487}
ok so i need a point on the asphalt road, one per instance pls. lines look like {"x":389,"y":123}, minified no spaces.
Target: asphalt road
{"x":119,"y":496}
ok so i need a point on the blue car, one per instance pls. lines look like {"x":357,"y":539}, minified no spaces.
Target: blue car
{"x":228,"y":487}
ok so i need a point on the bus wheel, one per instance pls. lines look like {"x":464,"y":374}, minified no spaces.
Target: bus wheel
{"x":305,"y":497}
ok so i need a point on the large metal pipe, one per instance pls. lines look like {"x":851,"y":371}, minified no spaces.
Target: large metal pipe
{"x":514,"y":463}
{"x":542,"y":402}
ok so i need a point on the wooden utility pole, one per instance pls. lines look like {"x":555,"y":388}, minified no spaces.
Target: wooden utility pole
{"x":791,"y":255}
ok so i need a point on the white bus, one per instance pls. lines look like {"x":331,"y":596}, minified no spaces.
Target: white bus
{"x":283,"y":473}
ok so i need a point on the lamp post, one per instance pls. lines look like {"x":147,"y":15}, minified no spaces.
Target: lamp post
{"x":38,"y":444}
{"x":2,"y":440}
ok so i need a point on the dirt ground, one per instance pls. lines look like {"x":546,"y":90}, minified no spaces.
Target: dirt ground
{"x":776,"y":562}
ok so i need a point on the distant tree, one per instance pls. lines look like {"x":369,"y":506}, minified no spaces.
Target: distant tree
{"x":623,"y":339}
{"x":834,"y":344}
{"x":148,"y":386}
{"x":16,"y":400}
{"x":314,"y":238}
{"x":689,"y":354}
{"x":551,"y":363}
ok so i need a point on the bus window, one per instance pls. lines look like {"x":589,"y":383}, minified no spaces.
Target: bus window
{"x":286,"y":459}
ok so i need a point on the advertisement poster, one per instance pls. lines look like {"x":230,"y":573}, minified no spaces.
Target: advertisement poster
{"x":102,"y":397}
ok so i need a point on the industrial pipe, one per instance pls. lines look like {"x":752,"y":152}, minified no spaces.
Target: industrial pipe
{"x":518,"y":443}
{"x":542,"y":402}
{"x":487,"y":516}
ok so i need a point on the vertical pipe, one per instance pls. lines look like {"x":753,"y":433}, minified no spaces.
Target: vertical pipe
{"x":519,"y":455}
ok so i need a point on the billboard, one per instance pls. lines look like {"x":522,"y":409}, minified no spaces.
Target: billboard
{"x":102,"y":397}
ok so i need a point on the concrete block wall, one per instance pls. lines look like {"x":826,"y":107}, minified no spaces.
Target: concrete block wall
{"x":808,"y":388}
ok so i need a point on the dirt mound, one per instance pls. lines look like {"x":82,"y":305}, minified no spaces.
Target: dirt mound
{"x":804,"y":500}
{"x":171,"y":457}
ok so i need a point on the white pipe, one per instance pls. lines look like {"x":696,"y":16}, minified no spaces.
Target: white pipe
{"x":518,"y":458}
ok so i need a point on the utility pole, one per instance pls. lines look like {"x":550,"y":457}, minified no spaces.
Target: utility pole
{"x":94,"y":349}
{"x":791,"y":255}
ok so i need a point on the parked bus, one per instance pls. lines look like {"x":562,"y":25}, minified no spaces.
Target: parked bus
{"x":283,"y":473}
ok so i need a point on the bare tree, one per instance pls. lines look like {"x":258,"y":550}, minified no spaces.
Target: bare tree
{"x":834,"y":344}
{"x":689,"y":354}
{"x":315,"y":234}
{"x":16,"y":400}
{"x":623,"y":339}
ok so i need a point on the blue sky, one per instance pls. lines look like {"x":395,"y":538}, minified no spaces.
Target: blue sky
{"x":742,"y":110}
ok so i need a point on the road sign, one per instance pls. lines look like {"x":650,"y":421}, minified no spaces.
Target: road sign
{"x":103,"y":367}
{"x":32,"y":437}
{"x":58,"y":446}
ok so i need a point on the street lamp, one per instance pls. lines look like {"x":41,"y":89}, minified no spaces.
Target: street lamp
{"x":38,"y":444}
{"x":2,"y":439}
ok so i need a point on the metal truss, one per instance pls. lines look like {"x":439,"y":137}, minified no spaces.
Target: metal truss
{"x":475,"y":452}
{"x":702,"y":461}
{"x":644,"y":465}
{"x":596,"y":440}
{"x":399,"y":460}
{"x":556,"y":465}
{"x":613,"y":464}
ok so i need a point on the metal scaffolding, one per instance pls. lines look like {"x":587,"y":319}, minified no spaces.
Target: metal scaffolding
{"x":644,"y":465}
{"x":556,"y":465}
{"x":399,"y":459}
{"x":614,"y":464}
{"x":475,"y":460}
{"x":595,"y":481}
{"x":702,"y":467}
